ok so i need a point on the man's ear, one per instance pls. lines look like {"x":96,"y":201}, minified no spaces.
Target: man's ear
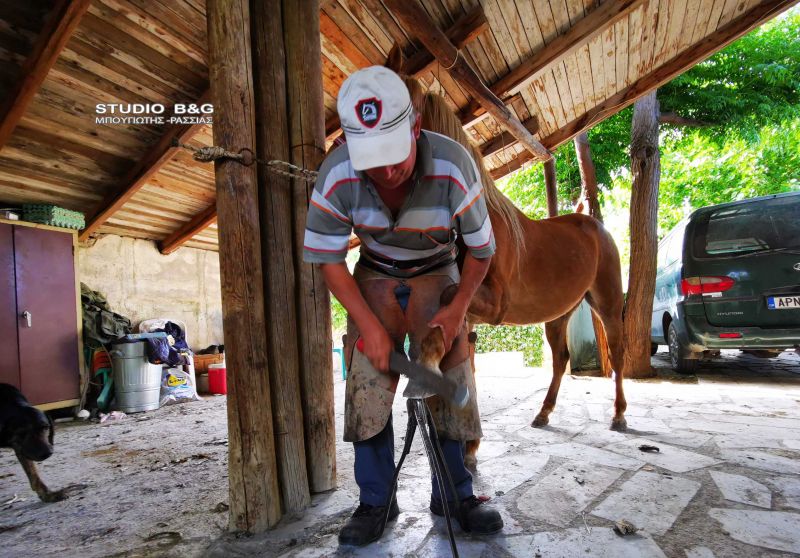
{"x":417,"y":126}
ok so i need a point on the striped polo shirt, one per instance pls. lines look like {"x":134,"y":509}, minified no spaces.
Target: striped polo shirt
{"x":446,"y":199}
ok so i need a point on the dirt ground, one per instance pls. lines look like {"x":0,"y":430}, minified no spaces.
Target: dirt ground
{"x":725,"y":482}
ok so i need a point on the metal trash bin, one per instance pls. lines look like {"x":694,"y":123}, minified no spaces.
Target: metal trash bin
{"x":137,"y":383}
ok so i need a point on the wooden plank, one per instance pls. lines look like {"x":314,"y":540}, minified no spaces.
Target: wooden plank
{"x":560,"y":15}
{"x":598,"y":69}
{"x":413,"y":17}
{"x":138,"y":175}
{"x":515,"y":27}
{"x":501,"y":33}
{"x":557,"y":85}
{"x":377,"y":10}
{"x":677,"y":15}
{"x":573,"y":77}
{"x":609,"y":60}
{"x":660,"y":46}
{"x":335,"y":35}
{"x":169,"y":48}
{"x":352,"y":30}
{"x":703,"y":16}
{"x":621,"y":46}
{"x":372,"y":30}
{"x":689,"y":20}
{"x":63,"y":20}
{"x":650,"y":32}
{"x":252,"y":470}
{"x":732,"y":9}
{"x":635,"y":43}
{"x":713,"y":20}
{"x":189,"y":230}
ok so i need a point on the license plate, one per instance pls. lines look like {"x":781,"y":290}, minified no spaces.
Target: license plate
{"x":783,"y":302}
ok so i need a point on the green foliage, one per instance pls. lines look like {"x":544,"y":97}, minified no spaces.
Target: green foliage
{"x":338,"y":319}
{"x":752,"y":83}
{"x":527,"y":339}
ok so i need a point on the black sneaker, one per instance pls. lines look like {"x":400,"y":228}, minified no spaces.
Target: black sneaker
{"x":366,"y":524}
{"x":476,"y":517}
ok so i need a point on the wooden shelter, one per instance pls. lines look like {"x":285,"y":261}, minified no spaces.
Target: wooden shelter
{"x":525,"y":76}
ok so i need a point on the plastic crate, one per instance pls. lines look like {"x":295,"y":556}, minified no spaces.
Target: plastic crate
{"x":48,"y":214}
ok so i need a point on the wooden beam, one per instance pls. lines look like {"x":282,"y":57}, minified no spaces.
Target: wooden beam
{"x":600,"y":19}
{"x":695,"y":54}
{"x":63,"y":20}
{"x":463,"y":31}
{"x":139,"y":174}
{"x":254,"y":494}
{"x":306,"y":138}
{"x":504,"y":140}
{"x":414,"y":17}
{"x":667,"y":72}
{"x":198,"y":223}
{"x":468,"y":119}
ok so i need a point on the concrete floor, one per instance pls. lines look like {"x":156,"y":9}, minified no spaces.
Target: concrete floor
{"x":726,"y":481}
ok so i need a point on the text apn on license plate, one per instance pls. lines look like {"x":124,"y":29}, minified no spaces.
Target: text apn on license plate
{"x":783,"y":302}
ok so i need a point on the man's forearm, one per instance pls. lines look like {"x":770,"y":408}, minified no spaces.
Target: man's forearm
{"x":341,"y":283}
{"x":472,"y":275}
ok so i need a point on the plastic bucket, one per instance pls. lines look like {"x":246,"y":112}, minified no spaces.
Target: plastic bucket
{"x":137,"y":383}
{"x":217,"y":382}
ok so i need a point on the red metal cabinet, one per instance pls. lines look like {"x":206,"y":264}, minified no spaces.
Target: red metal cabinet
{"x":38,"y":314}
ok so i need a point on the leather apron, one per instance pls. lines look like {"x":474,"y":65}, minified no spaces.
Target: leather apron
{"x":369,"y":393}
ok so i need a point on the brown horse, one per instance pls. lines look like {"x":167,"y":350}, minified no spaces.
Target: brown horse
{"x":541,"y":271}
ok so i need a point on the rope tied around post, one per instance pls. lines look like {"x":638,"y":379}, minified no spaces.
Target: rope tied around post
{"x":246,"y":157}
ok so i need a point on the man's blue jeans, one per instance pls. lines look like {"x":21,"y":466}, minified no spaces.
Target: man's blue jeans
{"x":374,"y":467}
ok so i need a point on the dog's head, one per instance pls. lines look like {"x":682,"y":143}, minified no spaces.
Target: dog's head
{"x":31,"y":434}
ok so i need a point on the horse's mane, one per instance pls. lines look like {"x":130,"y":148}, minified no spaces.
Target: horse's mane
{"x":437,"y":117}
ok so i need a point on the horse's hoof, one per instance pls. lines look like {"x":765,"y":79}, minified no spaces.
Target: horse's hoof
{"x":471,"y":462}
{"x":540,"y":421}
{"x":619,"y":425}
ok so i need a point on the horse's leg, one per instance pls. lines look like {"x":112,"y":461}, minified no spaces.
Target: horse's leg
{"x":606,"y":299}
{"x":556,"y":332}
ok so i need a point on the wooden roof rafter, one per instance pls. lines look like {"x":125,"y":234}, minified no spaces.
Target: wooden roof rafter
{"x":63,"y":19}
{"x":198,"y":223}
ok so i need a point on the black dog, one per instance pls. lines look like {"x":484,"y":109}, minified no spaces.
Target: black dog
{"x":29,"y":432}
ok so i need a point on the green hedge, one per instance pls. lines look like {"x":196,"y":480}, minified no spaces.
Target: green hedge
{"x":527,"y":339}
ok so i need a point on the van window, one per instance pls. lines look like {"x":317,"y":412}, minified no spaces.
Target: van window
{"x":749,"y":228}
{"x":675,"y":248}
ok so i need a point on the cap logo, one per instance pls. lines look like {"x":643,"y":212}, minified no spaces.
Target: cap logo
{"x":369,"y":111}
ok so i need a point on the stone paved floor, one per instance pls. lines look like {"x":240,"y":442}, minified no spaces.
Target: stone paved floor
{"x":726,"y":481}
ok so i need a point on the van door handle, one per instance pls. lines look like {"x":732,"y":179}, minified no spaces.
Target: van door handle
{"x":28,"y":317}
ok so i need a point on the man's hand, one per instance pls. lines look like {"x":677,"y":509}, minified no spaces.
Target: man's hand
{"x":376,"y":347}
{"x":450,"y":319}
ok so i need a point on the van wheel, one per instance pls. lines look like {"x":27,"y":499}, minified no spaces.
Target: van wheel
{"x":678,"y":353}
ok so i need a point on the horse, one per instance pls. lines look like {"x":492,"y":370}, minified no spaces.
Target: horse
{"x":541,"y":271}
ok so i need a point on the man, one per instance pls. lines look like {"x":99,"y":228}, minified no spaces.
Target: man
{"x":407,"y":193}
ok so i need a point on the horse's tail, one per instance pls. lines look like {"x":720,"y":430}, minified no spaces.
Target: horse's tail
{"x":437,"y":117}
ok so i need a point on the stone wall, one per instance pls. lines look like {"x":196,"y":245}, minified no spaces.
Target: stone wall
{"x":142,"y":283}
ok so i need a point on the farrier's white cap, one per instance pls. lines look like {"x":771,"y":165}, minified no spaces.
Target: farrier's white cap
{"x":374,"y":108}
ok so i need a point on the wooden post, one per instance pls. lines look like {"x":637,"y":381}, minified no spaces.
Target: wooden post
{"x":307,"y":138}
{"x":278,"y":250}
{"x":551,"y":187}
{"x":252,"y":470}
{"x":645,"y":169}
{"x":592,"y":208}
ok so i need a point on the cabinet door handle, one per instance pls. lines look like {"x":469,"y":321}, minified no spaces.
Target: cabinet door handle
{"x":28,"y":317}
